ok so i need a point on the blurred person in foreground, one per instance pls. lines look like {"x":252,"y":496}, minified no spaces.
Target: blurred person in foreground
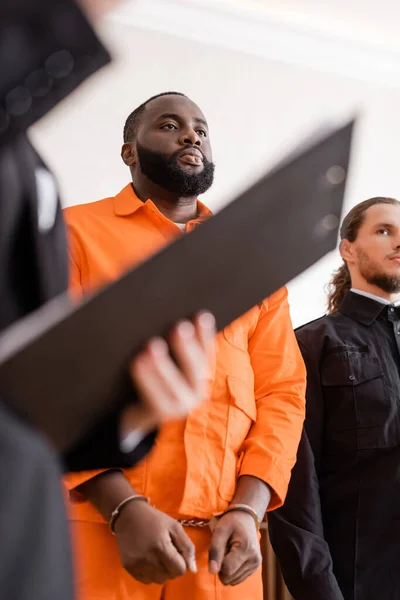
{"x":211,"y":477}
{"x":47,"y":49}
{"x":336,"y":537}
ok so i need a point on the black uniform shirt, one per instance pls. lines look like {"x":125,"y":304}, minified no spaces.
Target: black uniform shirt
{"x":338,"y":534}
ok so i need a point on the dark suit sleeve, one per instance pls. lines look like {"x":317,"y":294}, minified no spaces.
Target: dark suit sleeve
{"x":101,"y":449}
{"x":34,"y":546}
{"x":47,"y":48}
{"x":296,"y":530}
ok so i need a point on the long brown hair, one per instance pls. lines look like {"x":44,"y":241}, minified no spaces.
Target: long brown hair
{"x":340,"y":283}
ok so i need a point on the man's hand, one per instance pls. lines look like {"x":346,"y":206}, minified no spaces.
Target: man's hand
{"x":96,"y":9}
{"x":170,"y":390}
{"x":235,"y":548}
{"x":153,"y":547}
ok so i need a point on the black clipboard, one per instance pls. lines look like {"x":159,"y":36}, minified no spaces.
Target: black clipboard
{"x":62,"y":366}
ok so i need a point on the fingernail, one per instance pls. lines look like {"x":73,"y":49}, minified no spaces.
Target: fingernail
{"x":158,"y":347}
{"x":206,"y":320}
{"x":192,"y":565}
{"x":185,"y":330}
{"x":213,"y":567}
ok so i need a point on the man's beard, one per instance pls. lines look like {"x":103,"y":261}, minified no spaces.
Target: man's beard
{"x":167,"y":173}
{"x":372,"y":274}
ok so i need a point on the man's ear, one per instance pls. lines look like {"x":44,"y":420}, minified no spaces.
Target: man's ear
{"x":128,"y":154}
{"x":346,"y":250}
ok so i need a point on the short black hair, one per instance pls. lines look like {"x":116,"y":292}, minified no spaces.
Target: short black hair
{"x":133,"y":121}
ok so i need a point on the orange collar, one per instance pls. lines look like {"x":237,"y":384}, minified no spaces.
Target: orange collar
{"x":127,"y":203}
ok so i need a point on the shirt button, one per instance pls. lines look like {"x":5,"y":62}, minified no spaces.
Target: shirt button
{"x":351,"y":377}
{"x":391,"y":309}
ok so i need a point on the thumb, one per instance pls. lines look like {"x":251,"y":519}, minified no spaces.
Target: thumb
{"x":216,"y":553}
{"x":185,"y":546}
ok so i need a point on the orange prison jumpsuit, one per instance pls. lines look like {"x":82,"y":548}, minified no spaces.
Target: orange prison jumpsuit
{"x":250,"y":424}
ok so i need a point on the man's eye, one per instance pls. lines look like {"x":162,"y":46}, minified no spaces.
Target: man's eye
{"x":383,"y":231}
{"x":202,"y":132}
{"x":169,"y":126}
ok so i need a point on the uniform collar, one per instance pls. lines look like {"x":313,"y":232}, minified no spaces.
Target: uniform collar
{"x":375,"y":297}
{"x":361,"y":308}
{"x":127,"y":203}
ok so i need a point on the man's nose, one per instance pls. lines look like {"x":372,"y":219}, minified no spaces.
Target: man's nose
{"x":190,"y":137}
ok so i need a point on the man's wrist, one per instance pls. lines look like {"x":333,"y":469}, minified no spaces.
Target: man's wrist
{"x":241,"y":508}
{"x":253,"y":492}
{"x":106,"y":491}
{"x":117,"y":511}
{"x":136,"y":420}
{"x":131,"y":440}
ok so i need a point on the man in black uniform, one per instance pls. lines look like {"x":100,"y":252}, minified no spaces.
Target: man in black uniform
{"x":338,"y":535}
{"x":47,"y":48}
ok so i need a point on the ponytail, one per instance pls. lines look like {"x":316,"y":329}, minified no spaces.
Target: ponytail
{"x":338,"y":287}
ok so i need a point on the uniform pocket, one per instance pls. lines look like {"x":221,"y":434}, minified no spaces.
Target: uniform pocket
{"x":355,"y":396}
{"x":242,"y":414}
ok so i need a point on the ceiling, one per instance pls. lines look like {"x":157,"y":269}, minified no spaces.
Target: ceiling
{"x":363,"y":18}
{"x":351,"y":38}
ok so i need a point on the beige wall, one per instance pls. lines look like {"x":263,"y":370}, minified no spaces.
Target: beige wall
{"x":256,"y":109}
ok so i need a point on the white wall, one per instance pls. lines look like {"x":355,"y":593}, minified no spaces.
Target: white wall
{"x":256,"y":109}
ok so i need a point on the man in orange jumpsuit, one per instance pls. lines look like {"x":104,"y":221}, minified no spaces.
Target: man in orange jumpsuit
{"x":232,"y":458}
